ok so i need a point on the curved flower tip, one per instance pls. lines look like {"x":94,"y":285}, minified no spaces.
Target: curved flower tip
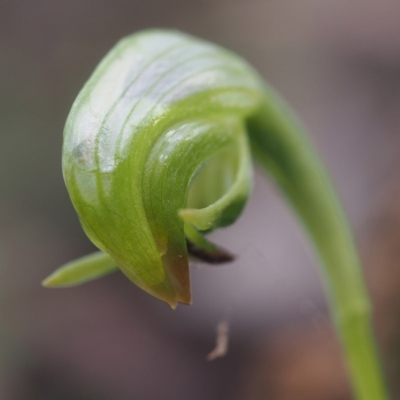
{"x":156,"y":154}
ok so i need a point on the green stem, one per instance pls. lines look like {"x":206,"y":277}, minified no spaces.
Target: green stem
{"x":280,"y":147}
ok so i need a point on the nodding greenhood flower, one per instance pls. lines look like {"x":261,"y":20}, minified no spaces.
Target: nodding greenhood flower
{"x":157,"y":153}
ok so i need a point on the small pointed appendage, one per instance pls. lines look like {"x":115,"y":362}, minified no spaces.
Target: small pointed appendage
{"x":214,"y":255}
{"x":82,"y":270}
{"x":204,"y":250}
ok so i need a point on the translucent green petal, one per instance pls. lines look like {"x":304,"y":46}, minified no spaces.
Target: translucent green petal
{"x":233,"y":170}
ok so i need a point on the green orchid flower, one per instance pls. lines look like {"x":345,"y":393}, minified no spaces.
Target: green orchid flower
{"x":157,"y":153}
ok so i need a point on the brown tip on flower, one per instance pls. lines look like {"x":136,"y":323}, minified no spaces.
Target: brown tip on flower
{"x":217,"y":255}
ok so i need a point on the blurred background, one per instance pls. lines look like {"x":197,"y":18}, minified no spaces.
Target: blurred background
{"x":338,"y":64}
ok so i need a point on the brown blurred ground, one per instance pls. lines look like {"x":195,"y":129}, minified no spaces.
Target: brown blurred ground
{"x":338,"y":64}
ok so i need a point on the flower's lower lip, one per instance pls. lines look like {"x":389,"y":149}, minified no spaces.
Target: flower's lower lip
{"x":216,"y":256}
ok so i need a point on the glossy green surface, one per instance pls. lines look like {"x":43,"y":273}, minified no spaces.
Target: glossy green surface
{"x":157,"y":108}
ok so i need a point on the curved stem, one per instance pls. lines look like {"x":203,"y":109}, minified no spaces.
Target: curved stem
{"x":280,"y":147}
